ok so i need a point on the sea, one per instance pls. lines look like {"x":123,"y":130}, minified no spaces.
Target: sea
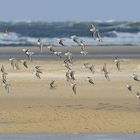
{"x":26,"y":33}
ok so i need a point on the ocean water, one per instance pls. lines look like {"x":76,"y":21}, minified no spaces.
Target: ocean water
{"x":69,"y":137}
{"x":26,"y":33}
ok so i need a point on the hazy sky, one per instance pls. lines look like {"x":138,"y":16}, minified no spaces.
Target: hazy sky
{"x":69,"y":10}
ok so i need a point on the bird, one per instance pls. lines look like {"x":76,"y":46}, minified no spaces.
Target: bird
{"x":61,"y":42}
{"x":117,"y":62}
{"x":6,"y":33}
{"x":37,"y":74}
{"x":90,"y":80}
{"x":86,"y":65}
{"x":104,"y":69}
{"x":98,"y":37}
{"x":38,"y":71}
{"x":83,"y":46}
{"x":75,"y":39}
{"x":91,"y":68}
{"x":4,"y":74}
{"x":6,"y":86}
{"x":73,"y":87}
{"x":69,"y":57}
{"x":138,"y":95}
{"x":24,"y":62}
{"x":72,"y":75}
{"x":28,"y":53}
{"x":14,"y":63}
{"x":93,"y":30}
{"x":52,"y":86}
{"x":2,"y":69}
{"x":107,"y":76}
{"x":95,"y":33}
{"x":129,"y":87}
{"x":40,"y":45}
{"x":67,"y":65}
{"x":68,"y":78}
{"x":58,"y":54}
{"x":51,"y":49}
{"x":135,"y":77}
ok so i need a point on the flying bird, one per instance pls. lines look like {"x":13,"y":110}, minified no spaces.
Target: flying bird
{"x":61,"y":42}
{"x":95,"y":33}
{"x":75,"y":39}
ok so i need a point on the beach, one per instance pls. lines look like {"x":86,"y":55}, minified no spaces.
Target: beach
{"x":32,"y":107}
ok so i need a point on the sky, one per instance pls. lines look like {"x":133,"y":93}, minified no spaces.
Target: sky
{"x":69,"y":10}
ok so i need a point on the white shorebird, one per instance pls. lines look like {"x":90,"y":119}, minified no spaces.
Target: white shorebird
{"x":104,"y":69}
{"x":98,"y":37}
{"x":83,"y":46}
{"x":74,"y":88}
{"x":89,"y":66}
{"x":14,"y":63}
{"x":24,"y":62}
{"x":75,"y":39}
{"x":6,"y":33}
{"x":95,"y":33}
{"x":40,"y":45}
{"x":93,"y":30}
{"x":129,"y":87}
{"x":58,"y":54}
{"x":69,"y":57}
{"x":28,"y":53}
{"x":51,"y":49}
{"x":61,"y":42}
{"x":117,"y":62}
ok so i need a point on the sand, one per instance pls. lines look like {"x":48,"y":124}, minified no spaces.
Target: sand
{"x":106,"y":107}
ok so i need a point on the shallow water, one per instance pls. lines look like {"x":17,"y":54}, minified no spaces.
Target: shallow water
{"x":70,"y":137}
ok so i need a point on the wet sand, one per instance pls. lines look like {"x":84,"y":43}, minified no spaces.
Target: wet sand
{"x":106,"y":107}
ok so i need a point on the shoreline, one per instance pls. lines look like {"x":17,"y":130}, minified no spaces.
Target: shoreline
{"x":98,"y":52}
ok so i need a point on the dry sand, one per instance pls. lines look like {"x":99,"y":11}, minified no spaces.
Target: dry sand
{"x":106,"y":107}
